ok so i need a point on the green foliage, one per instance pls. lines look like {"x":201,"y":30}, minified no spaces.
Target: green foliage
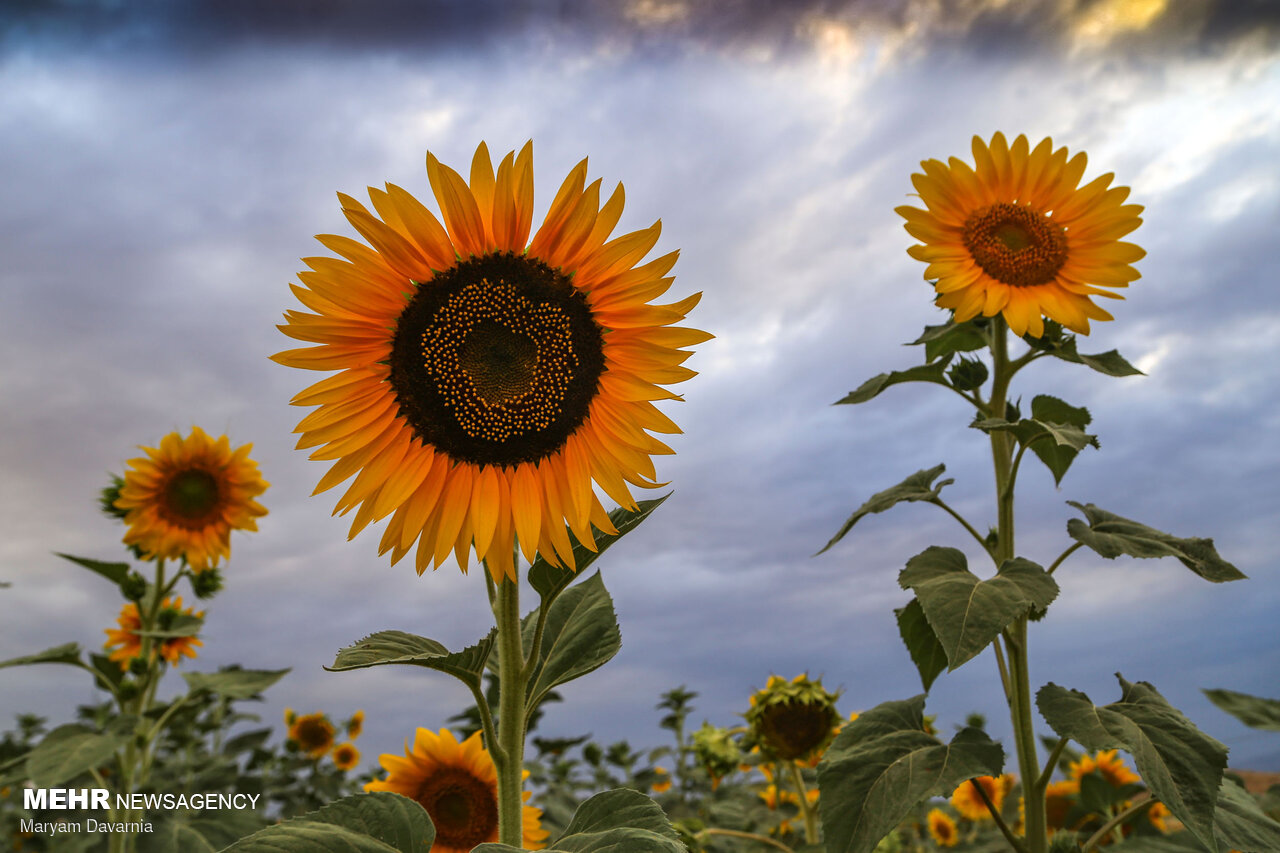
{"x":234,"y":683}
{"x":934,"y":372}
{"x":198,"y":832}
{"x":883,"y":764}
{"x":549,"y":581}
{"x":967,"y":613}
{"x":580,"y":635}
{"x":922,"y":643}
{"x":68,"y":653}
{"x":399,"y":647}
{"x":920,"y":486}
{"x":380,"y":822}
{"x":1054,"y":432}
{"x":618,"y":821}
{"x":1111,"y":535}
{"x":114,"y":572}
{"x":1253,"y":711}
{"x":70,"y":750}
{"x":950,"y":338}
{"x":1059,"y":345}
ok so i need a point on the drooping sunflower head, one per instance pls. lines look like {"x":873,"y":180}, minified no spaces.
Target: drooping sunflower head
{"x":313,"y":734}
{"x":1109,"y":764}
{"x":793,"y":720}
{"x":942,"y":828}
{"x":457,"y":784}
{"x":969,"y":803}
{"x":488,"y":379}
{"x":183,"y":499}
{"x":345,"y":756}
{"x":1015,"y":234}
{"x":716,"y":751}
{"x":128,"y":636}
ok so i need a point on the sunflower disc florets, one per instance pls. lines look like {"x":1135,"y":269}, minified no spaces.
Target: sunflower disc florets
{"x":791,"y":720}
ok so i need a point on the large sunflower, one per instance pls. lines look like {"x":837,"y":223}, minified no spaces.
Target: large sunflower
{"x":184,"y":498}
{"x":129,"y":638}
{"x":486,"y":379}
{"x":458,"y":786}
{"x":1016,"y":235}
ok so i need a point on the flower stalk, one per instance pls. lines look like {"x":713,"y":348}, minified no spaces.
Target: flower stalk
{"x":508,"y":751}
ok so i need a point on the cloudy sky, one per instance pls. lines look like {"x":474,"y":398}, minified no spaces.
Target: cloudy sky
{"x":166,"y":165}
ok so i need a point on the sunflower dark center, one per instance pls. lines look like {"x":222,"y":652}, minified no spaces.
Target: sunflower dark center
{"x":1015,"y":245}
{"x":792,"y":730}
{"x":463,"y":808}
{"x":313,"y":734}
{"x":190,"y":496}
{"x":496,"y":360}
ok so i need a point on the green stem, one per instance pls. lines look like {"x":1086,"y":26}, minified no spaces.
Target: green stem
{"x":1141,"y":802}
{"x":509,"y":754}
{"x":806,"y":807}
{"x":1043,"y":782}
{"x":939,"y":502}
{"x":1063,"y":556}
{"x":749,"y":836}
{"x":995,"y":815}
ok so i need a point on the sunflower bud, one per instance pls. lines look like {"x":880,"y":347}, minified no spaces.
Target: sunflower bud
{"x":967,"y":374}
{"x":138,"y":666}
{"x":793,"y":720}
{"x":126,"y":690}
{"x":134,"y":586}
{"x":206,"y":584}
{"x":109,"y":496}
{"x":716,"y":751}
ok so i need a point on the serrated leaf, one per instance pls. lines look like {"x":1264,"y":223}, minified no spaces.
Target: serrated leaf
{"x":402,"y":648}
{"x":967,"y":613}
{"x":1254,"y":711}
{"x":114,"y":572}
{"x":1054,"y":432}
{"x":918,"y":487}
{"x":1180,"y":764}
{"x":1063,"y":346}
{"x":70,"y":750}
{"x":934,"y":372}
{"x":617,"y":821}
{"x":68,"y":653}
{"x":1112,"y":535}
{"x":882,"y":765}
{"x":380,"y":822}
{"x":1240,"y":822}
{"x":926,"y":652}
{"x":548,"y":580}
{"x":580,"y":636}
{"x":234,"y":683}
{"x":950,"y":338}
{"x":198,"y":832}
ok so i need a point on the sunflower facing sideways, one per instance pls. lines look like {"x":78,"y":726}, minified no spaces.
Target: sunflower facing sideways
{"x":486,"y":379}
{"x":183,"y":499}
{"x":1017,"y":235}
{"x":129,"y":639}
{"x":458,"y":786}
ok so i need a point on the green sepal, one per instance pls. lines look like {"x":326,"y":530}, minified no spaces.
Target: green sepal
{"x":73,"y":749}
{"x":549,"y":581}
{"x":934,"y":372}
{"x":950,"y":338}
{"x":581,"y":635}
{"x":1111,"y":535}
{"x":967,"y":613}
{"x":68,"y":653}
{"x":918,"y":487}
{"x":616,"y":821}
{"x":234,"y":683}
{"x":1180,"y":764}
{"x":1063,"y":346}
{"x":198,"y":831}
{"x":182,"y":625}
{"x":1254,"y":711}
{"x":378,"y":822}
{"x":1054,"y":432}
{"x":400,"y":647}
{"x":882,"y":765}
{"x":926,"y":652}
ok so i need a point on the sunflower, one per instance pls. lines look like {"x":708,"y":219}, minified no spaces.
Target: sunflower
{"x":184,"y":498}
{"x":1109,"y":764}
{"x":486,"y":380}
{"x":969,"y":803}
{"x":313,"y":733}
{"x":661,"y":781}
{"x":1018,"y":236}
{"x":355,"y":725}
{"x":458,"y":786}
{"x":943,"y":828}
{"x":793,"y":720}
{"x":345,"y":756}
{"x":128,"y":638}
{"x":1059,"y":799}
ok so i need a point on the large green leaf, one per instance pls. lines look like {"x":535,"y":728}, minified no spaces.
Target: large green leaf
{"x":617,"y":821}
{"x":1241,"y":824}
{"x":1054,"y":432}
{"x":114,"y":572}
{"x":380,"y":822}
{"x":1254,"y":711}
{"x":1180,"y":764}
{"x":198,"y":832}
{"x":399,"y":647}
{"x":882,"y":765}
{"x":70,"y":750}
{"x":1111,"y":535}
{"x":934,"y":372}
{"x":967,"y":613}
{"x":926,"y":652}
{"x":1063,"y":346}
{"x":581,"y":635}
{"x":234,"y":683}
{"x":548,"y":580}
{"x":66,"y":653}
{"x":950,"y":338}
{"x":918,"y":487}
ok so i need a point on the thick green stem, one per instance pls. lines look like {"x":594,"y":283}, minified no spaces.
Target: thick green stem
{"x":806,"y":808}
{"x":509,"y":754}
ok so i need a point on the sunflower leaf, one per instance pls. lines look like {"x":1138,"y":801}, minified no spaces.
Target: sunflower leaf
{"x":1063,"y":346}
{"x":1061,"y":423}
{"x":934,"y":372}
{"x":1254,"y":711}
{"x":950,"y":338}
{"x":1111,"y":535}
{"x":581,"y":634}
{"x":926,"y":652}
{"x":183,"y":625}
{"x":234,"y":683}
{"x":1240,"y":823}
{"x":883,"y":764}
{"x":66,"y":653}
{"x":967,"y":613}
{"x":549,"y":581}
{"x":400,"y":647}
{"x":198,"y":832}
{"x":617,"y":821}
{"x":918,"y":487}
{"x":1181,"y":765}
{"x":114,"y":572}
{"x":70,"y":750}
{"x":379,"y":822}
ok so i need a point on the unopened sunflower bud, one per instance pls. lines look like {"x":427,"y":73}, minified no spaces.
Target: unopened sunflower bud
{"x":134,"y":586}
{"x":206,"y":584}
{"x":126,"y":690}
{"x":138,"y":666}
{"x":109,"y":496}
{"x":967,"y":374}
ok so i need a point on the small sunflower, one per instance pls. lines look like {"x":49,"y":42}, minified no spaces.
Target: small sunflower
{"x":1059,"y":798}
{"x":345,"y":756}
{"x":1109,"y":764}
{"x":1159,"y":815}
{"x":458,"y":786}
{"x":661,"y":782}
{"x":793,"y":720}
{"x":487,"y":380}
{"x":313,"y":733}
{"x":1018,"y":235}
{"x":942,"y":828}
{"x":127,"y":636}
{"x":355,"y":725}
{"x":183,"y":499}
{"x":968,"y":802}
